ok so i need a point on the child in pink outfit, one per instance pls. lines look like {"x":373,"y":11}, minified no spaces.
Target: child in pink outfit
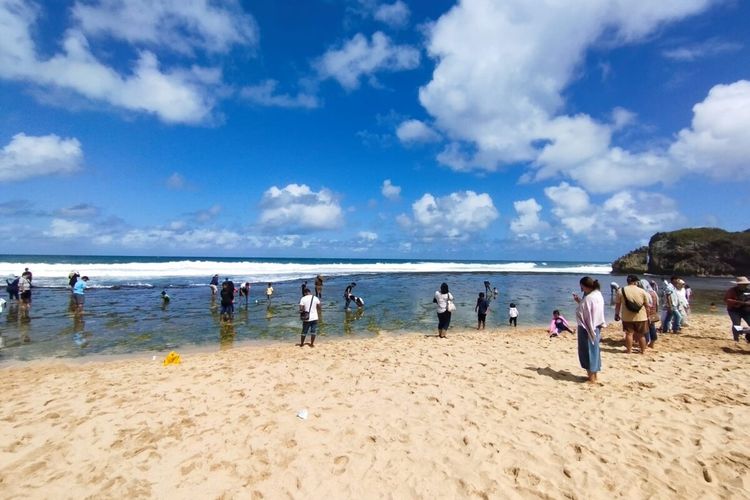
{"x":558,"y":324}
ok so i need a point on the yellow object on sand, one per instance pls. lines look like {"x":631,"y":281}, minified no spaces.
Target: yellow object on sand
{"x":172,"y":359}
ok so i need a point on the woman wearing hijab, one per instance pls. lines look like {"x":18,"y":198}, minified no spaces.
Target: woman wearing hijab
{"x":652,"y":309}
{"x":590,"y":316}
{"x":444,"y":300}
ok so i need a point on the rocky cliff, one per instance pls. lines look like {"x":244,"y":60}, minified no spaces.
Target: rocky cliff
{"x":690,"y":252}
{"x":635,"y":262}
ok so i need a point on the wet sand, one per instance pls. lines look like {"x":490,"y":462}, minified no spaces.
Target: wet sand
{"x":499,"y":413}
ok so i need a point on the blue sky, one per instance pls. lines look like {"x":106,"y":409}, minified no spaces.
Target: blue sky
{"x":478,"y":129}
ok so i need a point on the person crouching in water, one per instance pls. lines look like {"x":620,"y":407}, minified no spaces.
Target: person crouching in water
{"x":349,"y":294}
{"x":558,"y":324}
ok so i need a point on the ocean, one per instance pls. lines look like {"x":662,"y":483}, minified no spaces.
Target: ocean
{"x":124,"y":313}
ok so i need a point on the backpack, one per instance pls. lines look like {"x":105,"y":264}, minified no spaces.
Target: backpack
{"x":632,"y":306}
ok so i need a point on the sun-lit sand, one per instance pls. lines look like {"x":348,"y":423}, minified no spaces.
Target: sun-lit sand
{"x":494,"y":414}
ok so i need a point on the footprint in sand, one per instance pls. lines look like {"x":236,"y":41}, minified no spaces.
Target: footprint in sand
{"x":523,"y":477}
{"x":341,"y":462}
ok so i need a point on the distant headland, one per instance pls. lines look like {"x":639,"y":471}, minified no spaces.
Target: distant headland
{"x":703,"y":251}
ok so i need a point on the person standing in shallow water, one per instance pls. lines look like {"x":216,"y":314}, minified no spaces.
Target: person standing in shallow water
{"x":214,"y":285}
{"x":481,"y":309}
{"x":227,"y":302}
{"x":245,"y":292}
{"x":513,"y":315}
{"x":319,"y":286}
{"x":444,"y":301}
{"x":24,"y":291}
{"x":590,"y":317}
{"x":79,"y":293}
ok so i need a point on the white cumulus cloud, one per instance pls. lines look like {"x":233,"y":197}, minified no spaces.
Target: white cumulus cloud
{"x":359,"y":57}
{"x":368,"y":236}
{"x":31,"y":156}
{"x":191,"y":238}
{"x":298,"y":208}
{"x":707,"y":48}
{"x":64,"y":228}
{"x":528,"y":222}
{"x":455,"y":216}
{"x":182,"y":26}
{"x":718,"y":142}
{"x":572,"y":206}
{"x":414,"y":131}
{"x":501,"y":71}
{"x":177,"y":95}
{"x":634,"y":214}
{"x":394,"y":14}
{"x":390,"y":191}
{"x":264,"y":94}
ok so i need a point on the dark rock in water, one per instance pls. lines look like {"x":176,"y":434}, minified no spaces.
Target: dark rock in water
{"x":691,"y":252}
{"x":635,"y":262}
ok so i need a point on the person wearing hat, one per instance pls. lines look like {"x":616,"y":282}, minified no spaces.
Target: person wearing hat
{"x":683,"y":305}
{"x":737,"y":300}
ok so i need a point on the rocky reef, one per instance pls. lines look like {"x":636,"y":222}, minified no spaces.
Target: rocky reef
{"x":690,"y":252}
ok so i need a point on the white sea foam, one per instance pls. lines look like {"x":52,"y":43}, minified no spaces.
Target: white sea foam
{"x":196,"y":272}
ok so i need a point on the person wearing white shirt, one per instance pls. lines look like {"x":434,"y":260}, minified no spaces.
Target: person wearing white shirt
{"x":444,"y":301}
{"x":308,"y":308}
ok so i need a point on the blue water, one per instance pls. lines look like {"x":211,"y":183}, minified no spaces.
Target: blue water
{"x":124,"y":314}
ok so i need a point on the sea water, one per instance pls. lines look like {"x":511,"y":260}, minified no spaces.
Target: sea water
{"x":124,"y":313}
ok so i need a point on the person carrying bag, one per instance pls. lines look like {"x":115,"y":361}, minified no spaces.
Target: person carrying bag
{"x":308,"y":314}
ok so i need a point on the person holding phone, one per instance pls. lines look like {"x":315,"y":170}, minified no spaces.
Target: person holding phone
{"x":590,"y":317}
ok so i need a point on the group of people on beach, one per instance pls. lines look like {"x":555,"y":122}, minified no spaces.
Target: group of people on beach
{"x":589,"y":315}
{"x":309,"y":305}
{"x":637,"y":305}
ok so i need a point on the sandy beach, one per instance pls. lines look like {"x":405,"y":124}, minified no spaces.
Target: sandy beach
{"x":499,"y":413}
